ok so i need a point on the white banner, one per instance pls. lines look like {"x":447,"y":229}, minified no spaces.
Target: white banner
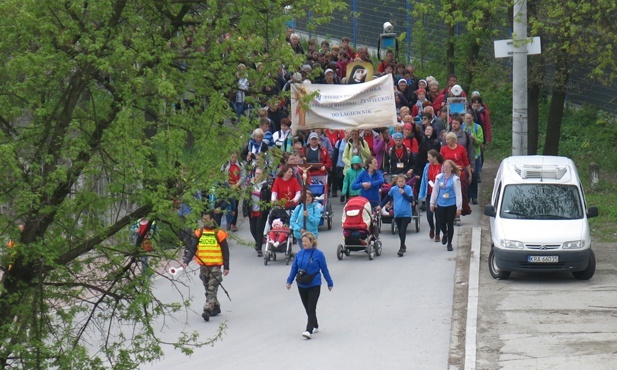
{"x":358,"y":106}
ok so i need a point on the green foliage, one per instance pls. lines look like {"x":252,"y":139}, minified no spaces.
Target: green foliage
{"x":584,"y":31}
{"x":111,"y":111}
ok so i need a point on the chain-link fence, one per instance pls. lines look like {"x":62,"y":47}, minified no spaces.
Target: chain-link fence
{"x":426,"y":38}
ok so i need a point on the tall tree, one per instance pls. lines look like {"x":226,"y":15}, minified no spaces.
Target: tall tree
{"x":470,"y":25}
{"x":112,"y":110}
{"x":582,"y":35}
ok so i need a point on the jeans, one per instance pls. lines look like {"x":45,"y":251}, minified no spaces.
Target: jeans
{"x":232,"y":215}
{"x":239,"y":108}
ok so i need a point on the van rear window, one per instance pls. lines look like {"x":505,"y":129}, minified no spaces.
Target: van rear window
{"x":541,"y":202}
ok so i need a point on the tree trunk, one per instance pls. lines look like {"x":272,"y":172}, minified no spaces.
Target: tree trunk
{"x":555,"y":114}
{"x":472,"y":61}
{"x":533,"y":116}
{"x":536,"y":82}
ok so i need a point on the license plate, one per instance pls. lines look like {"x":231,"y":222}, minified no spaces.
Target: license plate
{"x":542,"y":259}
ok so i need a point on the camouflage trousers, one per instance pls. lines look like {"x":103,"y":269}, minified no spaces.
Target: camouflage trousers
{"x":211,"y":276}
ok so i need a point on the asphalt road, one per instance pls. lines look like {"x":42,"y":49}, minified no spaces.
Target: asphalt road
{"x":389,"y":313}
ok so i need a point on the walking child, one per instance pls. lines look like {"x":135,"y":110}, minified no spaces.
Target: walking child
{"x":401,"y":196}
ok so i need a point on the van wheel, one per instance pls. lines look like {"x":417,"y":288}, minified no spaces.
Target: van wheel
{"x":496,"y":273}
{"x":587,"y":273}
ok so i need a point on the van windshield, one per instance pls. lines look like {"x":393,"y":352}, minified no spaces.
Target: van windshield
{"x":541,"y":202}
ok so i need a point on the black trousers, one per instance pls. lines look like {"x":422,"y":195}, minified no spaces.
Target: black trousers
{"x":337,"y":181}
{"x":430,"y":216}
{"x":402,"y":223}
{"x":445,"y":216}
{"x":257,"y":226}
{"x":309,"y":297}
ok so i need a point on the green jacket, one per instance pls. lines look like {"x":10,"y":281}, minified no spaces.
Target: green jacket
{"x":478,"y":138}
{"x":350,"y":176}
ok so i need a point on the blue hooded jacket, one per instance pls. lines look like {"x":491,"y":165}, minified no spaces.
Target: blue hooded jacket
{"x":312,"y":221}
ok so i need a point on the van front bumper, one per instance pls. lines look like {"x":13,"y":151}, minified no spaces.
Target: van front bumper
{"x":518,"y":260}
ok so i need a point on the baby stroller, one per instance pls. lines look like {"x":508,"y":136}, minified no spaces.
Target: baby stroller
{"x":387,"y":212}
{"x":275,"y":246}
{"x":319,"y":188}
{"x":360,"y":229}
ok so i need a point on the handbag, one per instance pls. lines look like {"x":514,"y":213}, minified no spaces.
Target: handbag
{"x":304,"y":278}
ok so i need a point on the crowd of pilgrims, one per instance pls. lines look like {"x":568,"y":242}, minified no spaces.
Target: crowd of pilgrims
{"x":271,"y":165}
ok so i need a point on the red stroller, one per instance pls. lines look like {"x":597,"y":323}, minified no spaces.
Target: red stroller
{"x":360,"y":229}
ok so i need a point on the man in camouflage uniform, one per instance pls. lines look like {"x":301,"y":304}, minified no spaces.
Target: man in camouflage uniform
{"x":210,"y":250}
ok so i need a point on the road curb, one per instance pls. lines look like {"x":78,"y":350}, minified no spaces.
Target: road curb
{"x":472,"y":299}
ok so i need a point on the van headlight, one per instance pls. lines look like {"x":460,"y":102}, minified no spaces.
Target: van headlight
{"x":575,"y":244}
{"x":512,"y":244}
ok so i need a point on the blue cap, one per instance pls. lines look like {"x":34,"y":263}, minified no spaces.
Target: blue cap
{"x":397,"y":135}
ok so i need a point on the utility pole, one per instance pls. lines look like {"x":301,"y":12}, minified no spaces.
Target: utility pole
{"x":518,"y":48}
{"x":519,"y":79}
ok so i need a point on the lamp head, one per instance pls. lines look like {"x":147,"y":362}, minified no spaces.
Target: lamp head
{"x":388,"y":27}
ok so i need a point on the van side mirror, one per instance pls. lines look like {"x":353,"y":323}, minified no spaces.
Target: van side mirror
{"x":592,"y":212}
{"x":489,"y":210}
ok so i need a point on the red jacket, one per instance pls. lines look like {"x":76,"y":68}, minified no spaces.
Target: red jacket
{"x":412,"y":144}
{"x":334,"y":135}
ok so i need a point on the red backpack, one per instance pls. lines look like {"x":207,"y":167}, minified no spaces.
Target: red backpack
{"x":144,"y":232}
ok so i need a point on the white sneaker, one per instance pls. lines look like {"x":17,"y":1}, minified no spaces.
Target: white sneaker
{"x":276,"y":244}
{"x":315,"y":330}
{"x":307,"y":335}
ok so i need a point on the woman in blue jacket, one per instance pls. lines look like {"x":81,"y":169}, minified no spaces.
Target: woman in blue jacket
{"x":311,"y":211}
{"x":369,"y":182}
{"x":307,"y":268}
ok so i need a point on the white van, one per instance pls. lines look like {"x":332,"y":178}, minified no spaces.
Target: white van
{"x":538,"y":217}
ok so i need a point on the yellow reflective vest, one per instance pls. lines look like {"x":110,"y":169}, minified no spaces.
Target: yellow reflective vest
{"x":209,"y":251}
